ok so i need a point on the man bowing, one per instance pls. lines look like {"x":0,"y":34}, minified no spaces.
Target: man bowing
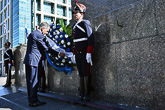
{"x":36,"y":45}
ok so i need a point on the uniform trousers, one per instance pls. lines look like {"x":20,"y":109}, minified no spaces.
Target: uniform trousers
{"x":83,"y":69}
{"x":8,"y":71}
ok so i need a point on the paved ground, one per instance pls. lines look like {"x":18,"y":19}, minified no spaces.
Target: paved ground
{"x":2,"y":80}
{"x":18,"y":101}
{"x":15,"y":98}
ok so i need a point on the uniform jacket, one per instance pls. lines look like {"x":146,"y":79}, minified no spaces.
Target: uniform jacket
{"x":83,"y":36}
{"x":36,"y":45}
{"x":8,"y":56}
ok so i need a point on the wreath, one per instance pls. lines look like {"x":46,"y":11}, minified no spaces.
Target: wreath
{"x":61,"y":35}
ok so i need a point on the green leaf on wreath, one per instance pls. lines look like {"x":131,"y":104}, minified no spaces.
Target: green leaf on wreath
{"x":69,"y":30}
{"x":64,"y":28}
{"x":62,"y":23}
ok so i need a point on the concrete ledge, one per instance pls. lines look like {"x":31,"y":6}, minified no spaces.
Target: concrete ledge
{"x":93,"y":103}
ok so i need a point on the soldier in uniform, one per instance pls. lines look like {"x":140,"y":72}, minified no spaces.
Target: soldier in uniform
{"x":8,"y":56}
{"x":83,"y":41}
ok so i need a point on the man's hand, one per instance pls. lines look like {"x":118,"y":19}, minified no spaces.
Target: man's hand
{"x":61,"y":54}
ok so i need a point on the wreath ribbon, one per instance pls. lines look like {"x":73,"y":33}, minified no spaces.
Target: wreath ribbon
{"x":61,"y":69}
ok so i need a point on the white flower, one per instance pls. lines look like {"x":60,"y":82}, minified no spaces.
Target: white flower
{"x":61,"y":30}
{"x":56,"y":36}
{"x":68,"y":43}
{"x":62,"y":42}
{"x":57,"y":32}
{"x":63,"y":61}
{"x":62,"y":64}
{"x":66,"y":36}
{"x":54,"y":33}
{"x":56,"y":41}
{"x":61,"y":36}
{"x":54,"y":27}
{"x":50,"y":35}
{"x":70,"y":62}
{"x":56,"y":58}
{"x":50,"y":29}
{"x":64,"y":45}
{"x":57,"y":63}
{"x":65,"y":57}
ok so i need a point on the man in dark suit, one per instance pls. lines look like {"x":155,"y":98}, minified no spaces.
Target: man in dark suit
{"x":36,"y":45}
{"x":8,"y":57}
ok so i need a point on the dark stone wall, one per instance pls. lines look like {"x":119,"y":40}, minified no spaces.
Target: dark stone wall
{"x":129,"y":55}
{"x":98,"y":7}
{"x":129,"y":51}
{"x":20,"y":76}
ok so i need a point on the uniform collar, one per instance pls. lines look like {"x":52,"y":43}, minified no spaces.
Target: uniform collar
{"x":77,"y":23}
{"x":7,"y":49}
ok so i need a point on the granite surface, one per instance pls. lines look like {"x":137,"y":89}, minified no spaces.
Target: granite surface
{"x":129,"y":54}
{"x":20,"y":76}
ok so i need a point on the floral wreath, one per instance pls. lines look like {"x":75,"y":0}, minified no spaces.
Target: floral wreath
{"x":61,"y":35}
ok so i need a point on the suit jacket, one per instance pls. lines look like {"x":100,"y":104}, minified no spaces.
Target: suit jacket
{"x":36,"y":46}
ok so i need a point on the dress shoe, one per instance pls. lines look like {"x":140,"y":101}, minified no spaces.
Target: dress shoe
{"x":86,"y":99}
{"x":42,"y":90}
{"x":38,"y":103}
{"x":81,"y":98}
{"x":6,"y":85}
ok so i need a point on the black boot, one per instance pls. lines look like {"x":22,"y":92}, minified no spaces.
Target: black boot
{"x":43,"y":85}
{"x":87,"y":89}
{"x":7,"y":85}
{"x":8,"y":80}
{"x":81,"y":96}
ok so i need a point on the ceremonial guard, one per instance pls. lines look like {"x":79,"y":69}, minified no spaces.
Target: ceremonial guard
{"x":83,"y":41}
{"x":8,"y":57}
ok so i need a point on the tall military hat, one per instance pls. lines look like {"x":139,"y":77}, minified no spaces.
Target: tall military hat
{"x":79,"y":7}
{"x":8,"y":43}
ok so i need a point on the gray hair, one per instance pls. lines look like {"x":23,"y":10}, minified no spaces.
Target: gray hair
{"x":43,"y":24}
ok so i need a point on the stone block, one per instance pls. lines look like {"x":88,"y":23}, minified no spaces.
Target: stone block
{"x":20,"y":75}
{"x":132,"y":22}
{"x":157,"y":62}
{"x":61,"y":82}
{"x":160,"y":16}
{"x":104,"y":72}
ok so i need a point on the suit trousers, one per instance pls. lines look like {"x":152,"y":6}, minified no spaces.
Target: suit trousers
{"x":33,"y":76}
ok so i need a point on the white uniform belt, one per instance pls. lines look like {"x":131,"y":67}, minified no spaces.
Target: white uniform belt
{"x":7,"y":59}
{"x":79,"y":40}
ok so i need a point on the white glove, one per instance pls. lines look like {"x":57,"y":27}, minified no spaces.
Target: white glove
{"x":73,"y":59}
{"x":9,"y":65}
{"x":89,"y":58}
